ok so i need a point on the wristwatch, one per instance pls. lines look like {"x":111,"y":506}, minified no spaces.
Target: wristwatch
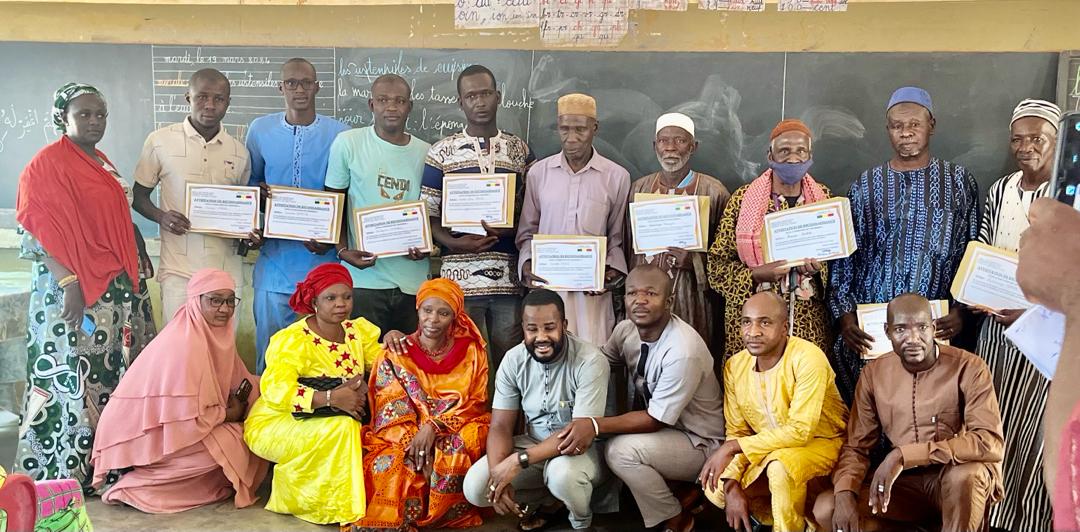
{"x":523,"y":459}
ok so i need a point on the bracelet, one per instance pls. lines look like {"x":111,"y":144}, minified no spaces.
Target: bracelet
{"x":69,"y":280}
{"x":595,"y":425}
{"x":328,"y":397}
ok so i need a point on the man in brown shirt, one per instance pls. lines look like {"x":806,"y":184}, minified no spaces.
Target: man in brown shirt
{"x":936,"y":407}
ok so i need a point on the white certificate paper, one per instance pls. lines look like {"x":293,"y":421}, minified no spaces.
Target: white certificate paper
{"x":570,"y":263}
{"x":298,"y":214}
{"x":468,"y":199}
{"x":223,"y":210}
{"x":659,"y":224}
{"x":872,"y":320}
{"x":1039,"y":333}
{"x":390,"y":230}
{"x":987,"y":278}
{"x":821,"y":231}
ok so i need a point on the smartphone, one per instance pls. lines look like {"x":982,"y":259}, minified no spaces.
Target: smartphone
{"x":244,"y":390}
{"x":88,"y":326}
{"x":1065,"y":178}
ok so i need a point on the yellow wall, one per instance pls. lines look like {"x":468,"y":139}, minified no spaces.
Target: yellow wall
{"x":882,"y":25}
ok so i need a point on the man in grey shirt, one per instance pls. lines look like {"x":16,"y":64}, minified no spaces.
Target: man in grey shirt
{"x":676,"y":417}
{"x":553,"y":378}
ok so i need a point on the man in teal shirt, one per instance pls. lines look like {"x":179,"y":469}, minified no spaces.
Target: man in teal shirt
{"x":288,"y":149}
{"x":376,"y":165}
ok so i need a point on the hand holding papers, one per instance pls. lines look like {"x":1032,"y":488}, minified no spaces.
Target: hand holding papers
{"x":872,"y":320}
{"x":296,"y":214}
{"x":987,"y":279}
{"x":1039,"y":334}
{"x":673,"y":221}
{"x":468,"y":199}
{"x":391,"y":230}
{"x":570,"y":263}
{"x":223,"y":210}
{"x":821,"y":231}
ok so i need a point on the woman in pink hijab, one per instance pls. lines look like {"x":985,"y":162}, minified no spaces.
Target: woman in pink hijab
{"x":174,"y":425}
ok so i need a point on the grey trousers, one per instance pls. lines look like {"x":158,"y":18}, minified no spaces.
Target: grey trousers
{"x":646,"y":461}
{"x":569,"y":479}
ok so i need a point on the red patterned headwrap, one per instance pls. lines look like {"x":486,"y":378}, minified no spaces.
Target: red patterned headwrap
{"x":320,"y":278}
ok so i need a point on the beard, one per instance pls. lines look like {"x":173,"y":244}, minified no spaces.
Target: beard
{"x":671,"y":167}
{"x":556,"y":350}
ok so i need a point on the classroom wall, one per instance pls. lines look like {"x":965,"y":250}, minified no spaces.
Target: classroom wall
{"x":869,"y":25}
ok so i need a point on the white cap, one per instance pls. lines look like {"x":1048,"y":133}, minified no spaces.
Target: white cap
{"x":677,"y":120}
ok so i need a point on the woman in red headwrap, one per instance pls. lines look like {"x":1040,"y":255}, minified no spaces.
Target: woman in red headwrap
{"x":173,"y":429}
{"x":319,"y":472}
{"x":429,"y":419}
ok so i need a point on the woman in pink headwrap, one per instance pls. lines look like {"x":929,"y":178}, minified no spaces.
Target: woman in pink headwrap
{"x":173,"y":428}
{"x":314,"y":393}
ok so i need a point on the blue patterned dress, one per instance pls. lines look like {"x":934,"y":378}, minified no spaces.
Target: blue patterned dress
{"x":912,"y":228}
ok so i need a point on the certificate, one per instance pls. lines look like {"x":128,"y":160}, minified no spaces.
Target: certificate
{"x":821,"y":231}
{"x":223,"y":210}
{"x":469,"y":198}
{"x":299,"y":214}
{"x":662,"y":223}
{"x":872,"y":320}
{"x":570,"y":263}
{"x":390,"y":230}
{"x":987,"y":278}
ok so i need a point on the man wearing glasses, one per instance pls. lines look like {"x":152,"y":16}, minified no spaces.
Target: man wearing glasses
{"x":288,"y":149}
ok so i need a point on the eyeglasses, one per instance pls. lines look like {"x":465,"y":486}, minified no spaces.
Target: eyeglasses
{"x":217,"y":302}
{"x":293,"y":84}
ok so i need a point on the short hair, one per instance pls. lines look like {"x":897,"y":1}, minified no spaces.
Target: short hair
{"x":301,"y":60}
{"x":540,"y":297}
{"x":207,"y":74}
{"x":472,"y":71}
{"x":392,"y":78}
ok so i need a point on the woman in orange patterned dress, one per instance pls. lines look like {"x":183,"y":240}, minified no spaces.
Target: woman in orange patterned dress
{"x":427,"y":393}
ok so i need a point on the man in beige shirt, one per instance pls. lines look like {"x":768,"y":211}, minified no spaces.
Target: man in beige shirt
{"x":937,"y":408}
{"x":197,"y":150}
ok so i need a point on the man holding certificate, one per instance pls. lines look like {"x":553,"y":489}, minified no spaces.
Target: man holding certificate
{"x":196,"y":151}
{"x":481,"y":257}
{"x":381,"y":165}
{"x":737,"y":266}
{"x":288,"y":149}
{"x":578,"y":192}
{"x":674,"y":145}
{"x":1021,"y":387}
{"x":913,"y":217}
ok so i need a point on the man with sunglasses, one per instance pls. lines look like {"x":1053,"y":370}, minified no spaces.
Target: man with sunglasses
{"x":676,"y":414}
{"x":288,"y":149}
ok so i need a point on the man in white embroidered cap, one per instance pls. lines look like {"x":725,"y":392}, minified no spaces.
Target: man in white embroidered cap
{"x":675,"y":143}
{"x":1023,"y":390}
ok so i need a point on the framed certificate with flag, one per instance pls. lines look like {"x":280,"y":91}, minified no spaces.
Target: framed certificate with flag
{"x":222,"y":210}
{"x":570,"y":263}
{"x":821,"y":231}
{"x":468,"y":199}
{"x":391,"y":230}
{"x":301,"y":214}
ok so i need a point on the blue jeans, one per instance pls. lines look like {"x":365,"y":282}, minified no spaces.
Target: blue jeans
{"x":499,"y":320}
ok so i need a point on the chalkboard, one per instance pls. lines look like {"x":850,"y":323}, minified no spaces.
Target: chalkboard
{"x":1068,"y":92}
{"x":735,"y":98}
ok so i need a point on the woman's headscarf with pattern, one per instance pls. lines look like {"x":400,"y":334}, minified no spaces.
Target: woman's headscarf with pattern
{"x":63,"y":97}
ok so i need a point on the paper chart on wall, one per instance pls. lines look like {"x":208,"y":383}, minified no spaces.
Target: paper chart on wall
{"x":732,"y":5}
{"x":659,"y":5}
{"x":813,"y":5}
{"x":575,"y":23}
{"x":478,"y":14}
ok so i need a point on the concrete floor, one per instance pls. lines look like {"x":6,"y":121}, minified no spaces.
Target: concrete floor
{"x":225,"y":517}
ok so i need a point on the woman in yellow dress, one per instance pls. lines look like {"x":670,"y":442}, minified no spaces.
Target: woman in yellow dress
{"x":428,"y":393}
{"x":319,"y":473}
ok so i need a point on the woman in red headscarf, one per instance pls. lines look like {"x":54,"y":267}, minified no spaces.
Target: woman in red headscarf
{"x":173,"y":429}
{"x":319,"y":473}
{"x":429,"y":420}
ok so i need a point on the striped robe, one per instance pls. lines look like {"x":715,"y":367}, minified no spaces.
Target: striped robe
{"x":1021,"y":389}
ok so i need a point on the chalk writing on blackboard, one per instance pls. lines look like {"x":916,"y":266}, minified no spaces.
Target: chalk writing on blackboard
{"x":1072,"y":102}
{"x":732,"y":5}
{"x":813,"y":5}
{"x":473,"y":14}
{"x":583,"y":22}
{"x":29,"y":124}
{"x":254,"y":74}
{"x":659,"y":5}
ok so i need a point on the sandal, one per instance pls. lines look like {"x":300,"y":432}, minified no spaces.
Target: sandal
{"x":541,"y":520}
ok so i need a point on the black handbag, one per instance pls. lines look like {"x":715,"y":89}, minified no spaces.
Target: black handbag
{"x":320,"y":384}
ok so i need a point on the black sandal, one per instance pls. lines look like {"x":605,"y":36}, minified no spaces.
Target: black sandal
{"x":546,"y":519}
